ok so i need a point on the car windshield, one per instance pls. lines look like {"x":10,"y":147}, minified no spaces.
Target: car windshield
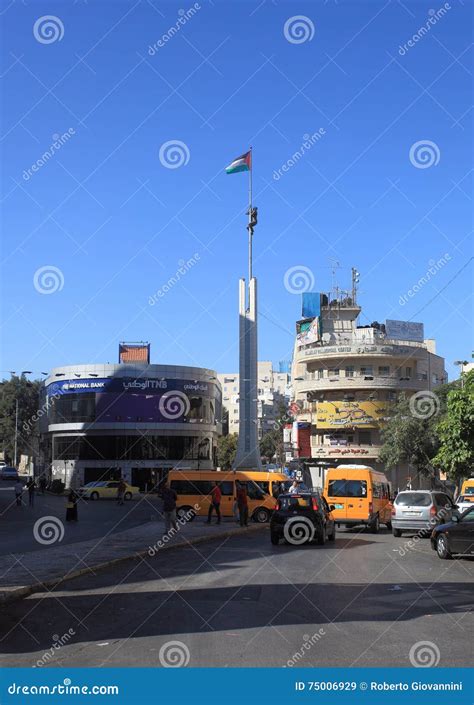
{"x":347,"y":488}
{"x":469,"y":490}
{"x":295,"y":502}
{"x":413,"y":499}
{"x":95,"y":484}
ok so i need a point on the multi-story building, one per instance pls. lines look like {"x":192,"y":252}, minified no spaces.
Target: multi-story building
{"x":346,"y":376}
{"x":132,"y":420}
{"x":273,"y":391}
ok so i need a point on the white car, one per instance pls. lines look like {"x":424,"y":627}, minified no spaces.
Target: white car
{"x":464,"y":501}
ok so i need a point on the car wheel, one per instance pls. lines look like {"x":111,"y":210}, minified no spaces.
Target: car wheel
{"x":397,"y":533}
{"x":261,"y":515}
{"x":187,"y":513}
{"x":127,"y":496}
{"x":274,"y":538}
{"x":321,"y":537}
{"x":442,"y":547}
{"x":94,"y":495}
{"x":375,"y":525}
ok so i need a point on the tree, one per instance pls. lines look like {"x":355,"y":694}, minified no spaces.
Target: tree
{"x":410,"y":436}
{"x":226,"y":450}
{"x":27,"y":394}
{"x":455,"y":429}
{"x":268,"y":445}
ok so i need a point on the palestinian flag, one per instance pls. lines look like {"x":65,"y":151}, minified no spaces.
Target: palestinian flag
{"x":242,"y":163}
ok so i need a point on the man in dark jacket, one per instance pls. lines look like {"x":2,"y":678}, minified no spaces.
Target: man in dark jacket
{"x":169,"y":497}
{"x":242,"y":503}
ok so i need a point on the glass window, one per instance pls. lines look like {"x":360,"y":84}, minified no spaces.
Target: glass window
{"x":408,"y":372}
{"x":347,"y":488}
{"x":320,"y":374}
{"x":253,"y":490}
{"x":350,"y":371}
{"x":413,"y":499}
{"x":264,"y":485}
{"x":367,"y":371}
{"x":227,"y":487}
{"x":294,"y":502}
{"x":384,"y":370}
{"x":333,"y":372}
{"x":469,"y":516}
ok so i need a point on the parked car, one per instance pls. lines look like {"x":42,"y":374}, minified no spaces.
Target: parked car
{"x":301,"y":518}
{"x":464,"y":501}
{"x":420,"y":510}
{"x":106,"y":489}
{"x":455,"y":536}
{"x":8,"y":473}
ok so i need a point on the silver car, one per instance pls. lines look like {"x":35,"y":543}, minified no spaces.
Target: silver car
{"x":420,"y":511}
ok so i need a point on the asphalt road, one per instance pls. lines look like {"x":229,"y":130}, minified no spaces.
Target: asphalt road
{"x":95,"y":518}
{"x":242,"y":602}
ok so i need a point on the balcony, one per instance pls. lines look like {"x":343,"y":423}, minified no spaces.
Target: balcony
{"x":308,"y":383}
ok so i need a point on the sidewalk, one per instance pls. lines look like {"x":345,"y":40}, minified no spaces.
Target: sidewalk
{"x":21,"y":575}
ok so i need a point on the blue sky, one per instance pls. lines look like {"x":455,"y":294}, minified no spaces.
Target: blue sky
{"x":115,"y":222}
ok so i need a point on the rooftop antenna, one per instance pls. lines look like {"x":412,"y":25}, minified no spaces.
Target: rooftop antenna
{"x":355,"y":281}
{"x":335,"y":265}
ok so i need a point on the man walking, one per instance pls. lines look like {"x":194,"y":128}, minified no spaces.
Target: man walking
{"x":216,"y":496}
{"x":169,"y":507}
{"x":18,"y":492}
{"x":31,"y":492}
{"x":242,"y":503}
{"x":121,"y":491}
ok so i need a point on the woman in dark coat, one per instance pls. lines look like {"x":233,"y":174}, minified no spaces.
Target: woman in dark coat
{"x":71,"y":507}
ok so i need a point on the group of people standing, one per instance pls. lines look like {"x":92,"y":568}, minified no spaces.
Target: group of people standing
{"x":31,"y":488}
{"x":241,"y":505}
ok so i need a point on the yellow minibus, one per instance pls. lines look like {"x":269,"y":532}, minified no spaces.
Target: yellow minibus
{"x":360,"y":495}
{"x":194,"y":487}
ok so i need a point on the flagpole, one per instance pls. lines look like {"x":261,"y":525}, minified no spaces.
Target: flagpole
{"x":250,"y":228}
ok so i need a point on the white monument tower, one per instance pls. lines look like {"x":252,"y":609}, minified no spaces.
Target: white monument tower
{"x":248,"y":451}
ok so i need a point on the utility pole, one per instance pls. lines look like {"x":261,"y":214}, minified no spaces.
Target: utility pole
{"x":16,"y":434}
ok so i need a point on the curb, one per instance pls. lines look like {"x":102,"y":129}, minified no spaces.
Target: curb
{"x":26,"y":590}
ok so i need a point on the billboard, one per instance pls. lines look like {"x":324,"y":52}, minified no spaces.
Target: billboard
{"x":141,"y":400}
{"x":350,"y":414}
{"x":404,"y":330}
{"x":309,"y":332}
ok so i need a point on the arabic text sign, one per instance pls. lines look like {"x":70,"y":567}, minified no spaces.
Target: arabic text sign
{"x":404,"y":330}
{"x":346,"y":414}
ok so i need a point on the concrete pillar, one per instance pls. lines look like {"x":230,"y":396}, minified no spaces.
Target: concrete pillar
{"x":248,"y":452}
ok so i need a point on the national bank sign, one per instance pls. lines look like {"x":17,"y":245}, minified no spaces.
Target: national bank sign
{"x":120,"y":385}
